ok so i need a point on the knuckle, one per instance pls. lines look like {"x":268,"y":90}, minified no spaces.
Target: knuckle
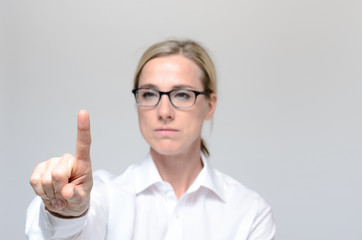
{"x":67,"y":156}
{"x":39,"y":165}
{"x":57,"y":174}
{"x":35,"y":179}
{"x":39,"y":168}
{"x":46,"y":181}
{"x":53,"y":159}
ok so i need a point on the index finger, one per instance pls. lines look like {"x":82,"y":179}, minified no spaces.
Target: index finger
{"x":84,"y":139}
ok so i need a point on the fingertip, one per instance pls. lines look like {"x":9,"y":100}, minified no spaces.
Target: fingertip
{"x":83,"y":114}
{"x":83,"y":120}
{"x":83,"y":111}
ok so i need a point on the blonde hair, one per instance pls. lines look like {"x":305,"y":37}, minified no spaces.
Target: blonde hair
{"x":191,"y":50}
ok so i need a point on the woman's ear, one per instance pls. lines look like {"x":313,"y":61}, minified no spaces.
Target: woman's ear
{"x":212,"y":106}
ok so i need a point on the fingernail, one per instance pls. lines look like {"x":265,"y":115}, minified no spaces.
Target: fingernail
{"x":59,"y":204}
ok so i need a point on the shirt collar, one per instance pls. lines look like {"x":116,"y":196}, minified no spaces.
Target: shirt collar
{"x":147,"y":175}
{"x":208,"y":179}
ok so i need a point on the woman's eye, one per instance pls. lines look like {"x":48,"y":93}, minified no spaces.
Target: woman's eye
{"x":182,"y":96}
{"x":148,"y":95}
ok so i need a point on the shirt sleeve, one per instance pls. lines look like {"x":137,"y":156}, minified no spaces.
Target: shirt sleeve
{"x":263,"y":226}
{"x":40,"y":224}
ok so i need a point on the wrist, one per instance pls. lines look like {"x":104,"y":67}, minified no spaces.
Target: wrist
{"x":55,"y":214}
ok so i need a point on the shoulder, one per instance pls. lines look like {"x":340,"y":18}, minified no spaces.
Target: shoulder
{"x":105,"y":177}
{"x":109,"y":188}
{"x":238,"y":195}
{"x":233,"y":187}
{"x":246,"y":207}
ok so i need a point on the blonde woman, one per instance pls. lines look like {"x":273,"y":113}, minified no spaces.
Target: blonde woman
{"x":174,"y":193}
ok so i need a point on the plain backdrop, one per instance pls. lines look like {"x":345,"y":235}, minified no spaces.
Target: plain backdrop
{"x":288,"y":122}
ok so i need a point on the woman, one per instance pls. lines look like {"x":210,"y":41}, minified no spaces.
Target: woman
{"x":174,"y":193}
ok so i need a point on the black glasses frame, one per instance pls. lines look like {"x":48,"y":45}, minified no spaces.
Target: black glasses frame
{"x":197,"y":93}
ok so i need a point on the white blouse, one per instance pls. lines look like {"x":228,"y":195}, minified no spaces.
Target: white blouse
{"x":139,"y":205}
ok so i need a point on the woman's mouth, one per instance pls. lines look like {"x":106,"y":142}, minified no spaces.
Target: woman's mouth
{"x":166,"y":131}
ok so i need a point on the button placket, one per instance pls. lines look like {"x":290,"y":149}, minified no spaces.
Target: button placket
{"x":175,"y":226}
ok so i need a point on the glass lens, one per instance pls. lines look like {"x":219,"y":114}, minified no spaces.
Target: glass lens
{"x":147,"y":97}
{"x":182,"y":98}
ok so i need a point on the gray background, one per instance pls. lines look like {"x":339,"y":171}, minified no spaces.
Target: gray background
{"x":288,"y":122}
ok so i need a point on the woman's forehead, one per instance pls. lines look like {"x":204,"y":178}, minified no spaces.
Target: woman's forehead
{"x":174,"y":71}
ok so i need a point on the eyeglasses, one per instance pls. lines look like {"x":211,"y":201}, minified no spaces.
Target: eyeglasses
{"x":179,"y":98}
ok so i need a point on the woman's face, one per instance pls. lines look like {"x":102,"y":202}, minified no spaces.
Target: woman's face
{"x":169,"y":130}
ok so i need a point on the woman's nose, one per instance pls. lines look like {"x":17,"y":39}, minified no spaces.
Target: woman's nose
{"x":165,"y":109}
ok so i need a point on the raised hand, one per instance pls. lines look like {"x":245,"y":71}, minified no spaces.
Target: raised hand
{"x":64,"y":183}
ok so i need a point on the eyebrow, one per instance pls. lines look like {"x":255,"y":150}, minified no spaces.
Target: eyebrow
{"x":181,"y":86}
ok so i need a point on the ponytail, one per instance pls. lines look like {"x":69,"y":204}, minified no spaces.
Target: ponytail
{"x":204,"y":149}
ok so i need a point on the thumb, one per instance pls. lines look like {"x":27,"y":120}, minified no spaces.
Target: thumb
{"x":82,"y":151}
{"x":69,"y":191}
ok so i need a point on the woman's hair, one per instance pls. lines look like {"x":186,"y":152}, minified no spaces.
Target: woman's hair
{"x":191,"y":50}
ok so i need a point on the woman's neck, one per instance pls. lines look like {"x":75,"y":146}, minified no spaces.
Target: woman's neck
{"x":179,"y":170}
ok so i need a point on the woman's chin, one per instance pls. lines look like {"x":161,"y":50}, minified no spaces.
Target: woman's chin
{"x":165,"y":152}
{"x":168,"y":150}
{"x":173,"y":148}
